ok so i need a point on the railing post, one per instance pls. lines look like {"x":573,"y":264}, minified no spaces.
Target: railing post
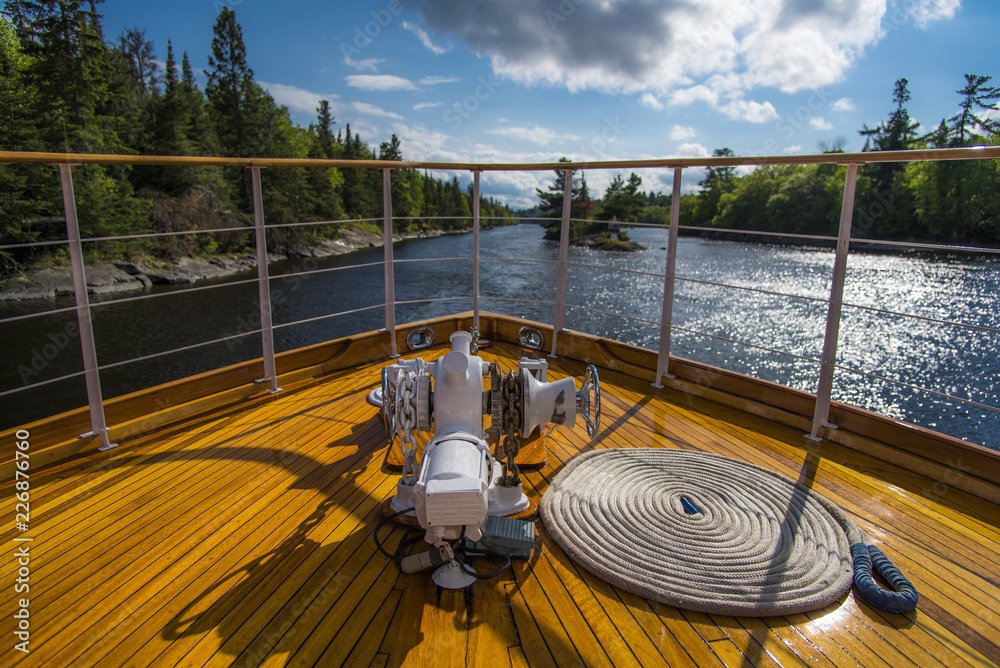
{"x":390,"y":285}
{"x":667,"y":313}
{"x":560,"y":307}
{"x":92,"y":376}
{"x":263,"y":285}
{"x":824,"y":388}
{"x":475,"y":251}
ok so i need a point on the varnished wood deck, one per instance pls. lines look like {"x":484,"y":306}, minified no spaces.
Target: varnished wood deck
{"x":243,"y":538}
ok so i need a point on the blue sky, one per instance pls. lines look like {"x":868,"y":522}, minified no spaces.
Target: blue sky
{"x":533,"y":80}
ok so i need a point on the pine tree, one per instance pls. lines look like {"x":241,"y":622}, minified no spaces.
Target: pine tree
{"x":69,"y":71}
{"x":27,"y":191}
{"x":140,"y":58}
{"x":399,"y":179}
{"x":551,"y":200}
{"x":231,"y":101}
{"x":977,"y":96}
{"x":324,"y":183}
{"x":719,"y":180}
{"x":324,"y":134}
{"x":622,"y":200}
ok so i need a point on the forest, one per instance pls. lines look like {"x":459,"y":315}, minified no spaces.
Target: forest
{"x":955,"y":202}
{"x":67,"y":87}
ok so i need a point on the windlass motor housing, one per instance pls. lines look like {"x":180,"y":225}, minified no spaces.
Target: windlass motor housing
{"x":458,"y":483}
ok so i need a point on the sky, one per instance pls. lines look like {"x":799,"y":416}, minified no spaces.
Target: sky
{"x":534,"y":80}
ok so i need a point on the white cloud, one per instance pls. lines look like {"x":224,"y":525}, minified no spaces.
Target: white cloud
{"x":426,"y":105}
{"x":372,"y":110}
{"x":748,"y":110}
{"x":843,"y":104}
{"x":419,"y":143}
{"x":379,"y":82}
{"x":365,"y":64}
{"x":925,"y":12}
{"x":820,"y":123}
{"x":295,"y":98}
{"x":793,"y":149}
{"x":434,"y":81}
{"x":424,"y":38}
{"x":680,"y":133}
{"x":536,"y":134}
{"x":638,"y":46}
{"x":651,"y":101}
{"x":692,"y":151}
{"x":700,"y":93}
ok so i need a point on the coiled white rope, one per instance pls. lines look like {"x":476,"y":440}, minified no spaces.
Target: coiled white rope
{"x":702,"y":532}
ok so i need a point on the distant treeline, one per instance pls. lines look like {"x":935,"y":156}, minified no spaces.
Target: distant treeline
{"x":65,"y":87}
{"x":954,"y":202}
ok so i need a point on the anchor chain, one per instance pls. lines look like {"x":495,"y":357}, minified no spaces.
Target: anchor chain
{"x":405,"y":421}
{"x":512,"y":394}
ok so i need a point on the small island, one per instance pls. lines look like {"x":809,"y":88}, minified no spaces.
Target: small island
{"x":622,"y":202}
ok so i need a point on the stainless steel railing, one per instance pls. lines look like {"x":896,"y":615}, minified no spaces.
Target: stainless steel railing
{"x":827,"y":362}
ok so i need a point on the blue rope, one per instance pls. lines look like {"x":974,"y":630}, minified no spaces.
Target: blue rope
{"x":901,"y":598}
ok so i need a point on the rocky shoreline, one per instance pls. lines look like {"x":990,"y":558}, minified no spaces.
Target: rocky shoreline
{"x":123,"y":276}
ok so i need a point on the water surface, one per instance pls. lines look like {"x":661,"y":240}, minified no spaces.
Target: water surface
{"x":940,"y":357}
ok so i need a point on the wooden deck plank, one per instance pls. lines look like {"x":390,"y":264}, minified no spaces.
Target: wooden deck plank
{"x":304,"y":596}
{"x":265,"y":564}
{"x":618,"y":615}
{"x":529,"y":602}
{"x":532,"y":643}
{"x":370,"y":639}
{"x":332,"y":639}
{"x":114,"y":585}
{"x":431,"y":627}
{"x":489,"y":617}
{"x":289,"y":574}
{"x":113,"y":513}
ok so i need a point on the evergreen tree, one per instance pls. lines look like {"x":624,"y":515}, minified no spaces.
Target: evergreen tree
{"x":968,"y":186}
{"x":880,"y":185}
{"x":233,"y":101}
{"x":27,"y":191}
{"x":140,"y":58}
{"x":718,"y":181}
{"x":977,"y":97}
{"x":581,"y":206}
{"x":325,"y":140}
{"x":622,"y":200}
{"x":402,"y":201}
{"x":80,"y":107}
{"x":323,"y":183}
{"x":552,"y":199}
{"x":70,"y":73}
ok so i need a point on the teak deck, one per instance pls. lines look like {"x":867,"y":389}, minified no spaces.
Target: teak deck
{"x":243,"y":536}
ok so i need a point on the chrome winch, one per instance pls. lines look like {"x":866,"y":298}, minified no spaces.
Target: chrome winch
{"x":458,"y":483}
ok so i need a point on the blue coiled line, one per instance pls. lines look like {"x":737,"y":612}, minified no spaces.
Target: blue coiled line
{"x":903,"y":595}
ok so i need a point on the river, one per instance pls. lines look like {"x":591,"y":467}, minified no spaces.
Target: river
{"x":943,"y":358}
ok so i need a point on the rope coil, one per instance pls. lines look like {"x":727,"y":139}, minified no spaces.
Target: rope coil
{"x":757,"y":543}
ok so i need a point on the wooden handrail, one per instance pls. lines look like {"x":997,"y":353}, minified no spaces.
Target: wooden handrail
{"x":914,"y":155}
